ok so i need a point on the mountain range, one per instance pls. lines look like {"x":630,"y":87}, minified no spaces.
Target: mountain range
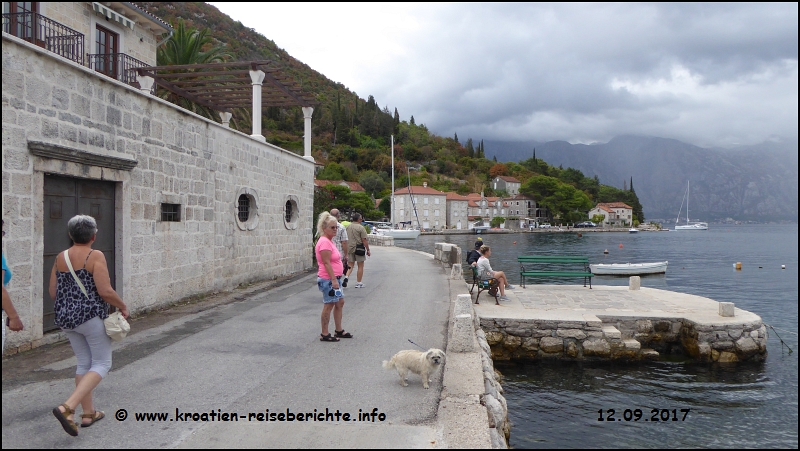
{"x":751,"y":183}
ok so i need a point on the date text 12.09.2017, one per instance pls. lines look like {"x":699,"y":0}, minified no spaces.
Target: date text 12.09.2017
{"x":656,"y":415}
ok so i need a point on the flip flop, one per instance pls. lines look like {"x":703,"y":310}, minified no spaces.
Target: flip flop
{"x":96,"y":416}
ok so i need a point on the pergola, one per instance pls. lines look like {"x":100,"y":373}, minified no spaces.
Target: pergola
{"x":225,"y":86}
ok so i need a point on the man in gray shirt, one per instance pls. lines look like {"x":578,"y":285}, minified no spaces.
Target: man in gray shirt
{"x":340,"y":240}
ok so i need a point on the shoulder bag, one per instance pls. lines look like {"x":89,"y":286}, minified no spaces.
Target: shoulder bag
{"x":117,"y":326}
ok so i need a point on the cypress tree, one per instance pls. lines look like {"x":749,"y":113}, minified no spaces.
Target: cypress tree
{"x":412,"y":120}
{"x":456,"y":138}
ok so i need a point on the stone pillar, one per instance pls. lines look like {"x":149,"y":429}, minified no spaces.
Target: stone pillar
{"x":634,"y":282}
{"x":145,"y":83}
{"x":257,"y":77}
{"x":307,"y":111}
{"x":726,"y":309}
{"x":226,"y":118}
{"x":463,"y":332}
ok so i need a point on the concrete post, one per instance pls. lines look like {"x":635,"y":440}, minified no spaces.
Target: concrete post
{"x":634,"y":282}
{"x":726,"y":309}
{"x":307,"y":111}
{"x":145,"y":83}
{"x":226,"y":119}
{"x":257,"y":77}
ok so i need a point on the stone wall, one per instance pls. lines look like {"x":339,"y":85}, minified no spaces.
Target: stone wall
{"x":624,"y":338}
{"x":177,"y":157}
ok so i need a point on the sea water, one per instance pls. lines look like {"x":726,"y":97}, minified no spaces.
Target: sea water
{"x":559,"y":403}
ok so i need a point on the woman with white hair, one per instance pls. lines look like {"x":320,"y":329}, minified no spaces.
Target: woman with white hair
{"x":329,"y":277}
{"x":81,"y":287}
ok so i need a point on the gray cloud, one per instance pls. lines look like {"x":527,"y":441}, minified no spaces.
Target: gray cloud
{"x":708,"y":74}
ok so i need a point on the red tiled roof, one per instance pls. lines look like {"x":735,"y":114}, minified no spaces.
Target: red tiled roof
{"x":508,"y":178}
{"x":615,"y":205}
{"x":419,"y":190}
{"x":455,"y":196}
{"x":354,"y":186}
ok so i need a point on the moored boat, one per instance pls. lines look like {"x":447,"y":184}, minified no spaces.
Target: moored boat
{"x":633,"y":230}
{"x":400,"y":234}
{"x":629,"y":269}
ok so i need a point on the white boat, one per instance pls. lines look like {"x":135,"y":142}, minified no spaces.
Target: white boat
{"x":397,"y":233}
{"x":632,"y":230}
{"x":629,"y":269}
{"x":689,"y":225}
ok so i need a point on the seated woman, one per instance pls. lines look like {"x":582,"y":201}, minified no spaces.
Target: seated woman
{"x":485,"y":271}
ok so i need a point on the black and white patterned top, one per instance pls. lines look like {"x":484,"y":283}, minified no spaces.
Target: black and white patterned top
{"x":72,"y":308}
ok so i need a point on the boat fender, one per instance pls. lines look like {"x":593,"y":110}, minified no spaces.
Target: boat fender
{"x":605,"y":251}
{"x":620,"y":245}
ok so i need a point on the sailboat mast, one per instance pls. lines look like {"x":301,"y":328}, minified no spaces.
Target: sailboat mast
{"x":687,"y":202}
{"x":391,"y":207}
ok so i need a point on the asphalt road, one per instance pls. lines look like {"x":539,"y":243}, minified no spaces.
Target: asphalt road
{"x":261,"y":352}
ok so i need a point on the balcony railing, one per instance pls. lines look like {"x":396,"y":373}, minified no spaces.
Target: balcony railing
{"x":46,"y":33}
{"x":119,"y":66}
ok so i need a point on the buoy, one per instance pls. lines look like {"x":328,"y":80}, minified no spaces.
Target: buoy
{"x":739,"y":266}
{"x":620,"y":245}
{"x":605,"y":251}
{"x":783,"y":266}
{"x":515,"y":242}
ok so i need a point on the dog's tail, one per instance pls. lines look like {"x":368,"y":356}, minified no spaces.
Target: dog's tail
{"x":388,"y":364}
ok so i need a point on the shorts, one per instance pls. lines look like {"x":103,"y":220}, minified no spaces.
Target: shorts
{"x":356,"y":258}
{"x":325,"y":286}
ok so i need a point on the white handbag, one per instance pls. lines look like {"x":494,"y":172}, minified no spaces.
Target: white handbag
{"x":117,"y":326}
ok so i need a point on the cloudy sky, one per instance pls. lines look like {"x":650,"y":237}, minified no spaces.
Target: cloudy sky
{"x":708,"y":74}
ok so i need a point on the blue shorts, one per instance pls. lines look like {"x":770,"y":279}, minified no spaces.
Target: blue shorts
{"x":325,"y":286}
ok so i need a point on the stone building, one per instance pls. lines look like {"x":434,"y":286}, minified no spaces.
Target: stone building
{"x":616,"y":214}
{"x":430,"y":206}
{"x":504,"y":182}
{"x":457,"y":211}
{"x":184,"y":205}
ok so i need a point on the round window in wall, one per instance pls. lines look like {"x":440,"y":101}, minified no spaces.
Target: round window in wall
{"x":245,"y":209}
{"x":291,"y":212}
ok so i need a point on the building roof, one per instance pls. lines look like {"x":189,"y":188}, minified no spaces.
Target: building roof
{"x":508,"y":178}
{"x":354,"y":186}
{"x":419,"y":190}
{"x":455,"y":196}
{"x":614,"y":205}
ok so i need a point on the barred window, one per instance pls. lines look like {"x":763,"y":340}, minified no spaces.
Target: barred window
{"x":171,"y":212}
{"x":244,"y":208}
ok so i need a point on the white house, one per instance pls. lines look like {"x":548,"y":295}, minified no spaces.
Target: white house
{"x":615,"y":213}
{"x":430,"y":206}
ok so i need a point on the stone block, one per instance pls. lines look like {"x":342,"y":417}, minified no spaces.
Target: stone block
{"x":596,"y":347}
{"x":632,"y":344}
{"x":746,"y":345}
{"x":571,"y":333}
{"x":650,"y":354}
{"x":463,"y":305}
{"x":571,"y":349}
{"x":512,"y":342}
{"x":456,"y":272}
{"x":494,"y":338}
{"x":612,"y":333}
{"x":462,"y":338}
{"x":634,"y":283}
{"x":722,"y":345}
{"x":726,"y":309}
{"x":735,"y":333}
{"x":644,"y":326}
{"x":530,"y":344}
{"x":726,"y":357}
{"x":551,"y":345}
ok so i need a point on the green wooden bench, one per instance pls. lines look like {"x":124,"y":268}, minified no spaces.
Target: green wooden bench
{"x":557,"y":261}
{"x":491,"y":285}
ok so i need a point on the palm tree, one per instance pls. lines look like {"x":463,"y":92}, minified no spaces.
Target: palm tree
{"x":186,"y":46}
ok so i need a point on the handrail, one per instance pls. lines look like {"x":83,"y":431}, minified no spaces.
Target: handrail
{"x":47,"y":33}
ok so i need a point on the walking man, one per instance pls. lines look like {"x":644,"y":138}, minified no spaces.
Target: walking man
{"x":358,"y":247}
{"x":340,"y":240}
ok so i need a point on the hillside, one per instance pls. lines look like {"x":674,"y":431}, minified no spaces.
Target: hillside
{"x":757,"y":183}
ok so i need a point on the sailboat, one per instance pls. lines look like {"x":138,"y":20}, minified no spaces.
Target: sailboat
{"x":689,"y":225}
{"x":399,"y":234}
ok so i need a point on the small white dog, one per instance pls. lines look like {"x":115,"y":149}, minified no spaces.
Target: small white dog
{"x":422,"y":363}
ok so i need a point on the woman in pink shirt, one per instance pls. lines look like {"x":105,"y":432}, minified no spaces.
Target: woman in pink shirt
{"x":329,"y":277}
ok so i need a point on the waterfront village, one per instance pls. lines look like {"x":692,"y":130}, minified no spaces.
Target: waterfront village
{"x":187,"y":207}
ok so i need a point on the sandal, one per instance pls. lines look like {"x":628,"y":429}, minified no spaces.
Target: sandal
{"x":96,"y":416}
{"x":343,"y":334}
{"x":69,"y":426}
{"x":327,"y":338}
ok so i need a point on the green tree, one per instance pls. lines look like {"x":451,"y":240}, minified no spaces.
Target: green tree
{"x":371,"y":181}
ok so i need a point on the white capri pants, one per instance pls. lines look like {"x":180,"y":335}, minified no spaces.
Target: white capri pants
{"x":92,"y":347}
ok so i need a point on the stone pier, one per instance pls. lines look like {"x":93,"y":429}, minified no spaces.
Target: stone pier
{"x":573,"y":322}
